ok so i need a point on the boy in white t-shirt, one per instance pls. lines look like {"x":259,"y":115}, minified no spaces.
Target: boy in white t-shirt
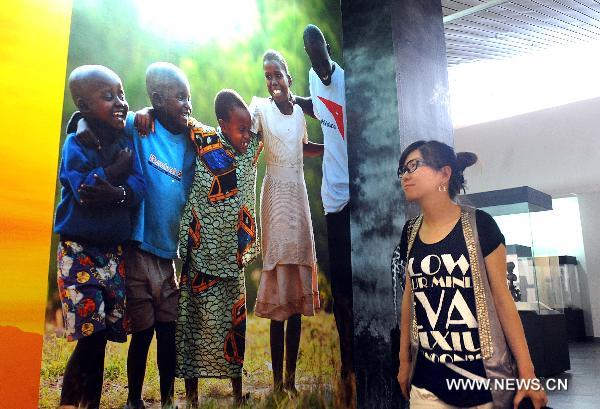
{"x":327,"y":103}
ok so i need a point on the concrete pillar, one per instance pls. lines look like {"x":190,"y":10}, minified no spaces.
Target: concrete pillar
{"x":396,"y":93}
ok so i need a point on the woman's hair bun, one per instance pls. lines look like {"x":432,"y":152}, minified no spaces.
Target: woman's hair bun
{"x":466,"y":159}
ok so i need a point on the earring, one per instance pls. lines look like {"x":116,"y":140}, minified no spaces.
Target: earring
{"x":442,"y":188}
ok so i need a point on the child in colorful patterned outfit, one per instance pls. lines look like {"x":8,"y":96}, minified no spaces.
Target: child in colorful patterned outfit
{"x":217,"y":239}
{"x":100,"y":188}
{"x":288,"y":283}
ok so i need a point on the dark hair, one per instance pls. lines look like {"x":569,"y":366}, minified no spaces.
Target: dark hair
{"x":313,"y":35}
{"x":437,"y":155}
{"x":273,"y":55}
{"x":225,"y":101}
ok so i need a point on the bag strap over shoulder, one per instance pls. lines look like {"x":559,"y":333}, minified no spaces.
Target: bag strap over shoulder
{"x":413,"y":230}
{"x":478,"y":274}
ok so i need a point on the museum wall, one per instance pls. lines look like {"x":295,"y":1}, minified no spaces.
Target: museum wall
{"x":589,"y":209}
{"x":554,"y":150}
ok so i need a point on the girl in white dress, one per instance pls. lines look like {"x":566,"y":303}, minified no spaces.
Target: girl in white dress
{"x":288,"y":283}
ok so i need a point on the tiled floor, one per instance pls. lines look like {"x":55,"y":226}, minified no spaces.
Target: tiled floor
{"x":583,"y":379}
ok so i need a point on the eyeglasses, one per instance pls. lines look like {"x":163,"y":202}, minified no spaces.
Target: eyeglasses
{"x":410,"y":167}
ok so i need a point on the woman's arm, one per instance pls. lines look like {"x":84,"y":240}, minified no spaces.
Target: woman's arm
{"x":405,"y":358}
{"x":312,"y":150}
{"x":495,"y":264}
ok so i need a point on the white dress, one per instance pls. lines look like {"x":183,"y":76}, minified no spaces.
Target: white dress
{"x":288,"y":283}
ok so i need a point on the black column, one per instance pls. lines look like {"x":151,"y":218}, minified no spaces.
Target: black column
{"x":396,"y":93}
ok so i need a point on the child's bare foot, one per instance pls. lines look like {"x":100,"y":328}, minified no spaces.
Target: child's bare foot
{"x":191,"y":393}
{"x":290,"y":387}
{"x":191,"y":404}
{"x":169,"y":405}
{"x":242,"y":400}
{"x":278,"y":387}
{"x":238,"y":398}
{"x":348,"y":389}
{"x":138,"y":404}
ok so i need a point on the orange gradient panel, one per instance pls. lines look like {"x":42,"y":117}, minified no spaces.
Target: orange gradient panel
{"x":34,"y":39}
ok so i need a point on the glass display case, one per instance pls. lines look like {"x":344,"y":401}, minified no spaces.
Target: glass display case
{"x":535,"y":279}
{"x":569,"y":274}
{"x":571,"y":288}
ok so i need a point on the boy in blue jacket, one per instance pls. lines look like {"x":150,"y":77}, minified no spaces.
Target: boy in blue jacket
{"x":100,"y":189}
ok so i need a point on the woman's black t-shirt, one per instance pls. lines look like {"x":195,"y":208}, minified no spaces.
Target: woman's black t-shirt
{"x":441,"y":280}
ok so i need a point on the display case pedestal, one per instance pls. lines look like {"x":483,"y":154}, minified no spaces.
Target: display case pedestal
{"x":575,"y":324}
{"x":546,"y":336}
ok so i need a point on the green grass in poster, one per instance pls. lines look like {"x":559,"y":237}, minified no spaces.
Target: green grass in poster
{"x":317,"y":372}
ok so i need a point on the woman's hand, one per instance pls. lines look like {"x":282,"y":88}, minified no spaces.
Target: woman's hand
{"x":405,"y":355}
{"x":403,"y":375}
{"x":495,"y":264}
{"x":538,"y":397}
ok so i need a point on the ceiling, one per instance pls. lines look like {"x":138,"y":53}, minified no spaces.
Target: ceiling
{"x":500,"y":29}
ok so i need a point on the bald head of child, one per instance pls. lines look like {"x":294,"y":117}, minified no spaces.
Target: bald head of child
{"x":98,"y":93}
{"x":169,"y":92}
{"x":318,"y":52}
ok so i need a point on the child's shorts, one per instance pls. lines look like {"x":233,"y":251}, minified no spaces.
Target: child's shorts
{"x":152,"y":289}
{"x":91,"y":284}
